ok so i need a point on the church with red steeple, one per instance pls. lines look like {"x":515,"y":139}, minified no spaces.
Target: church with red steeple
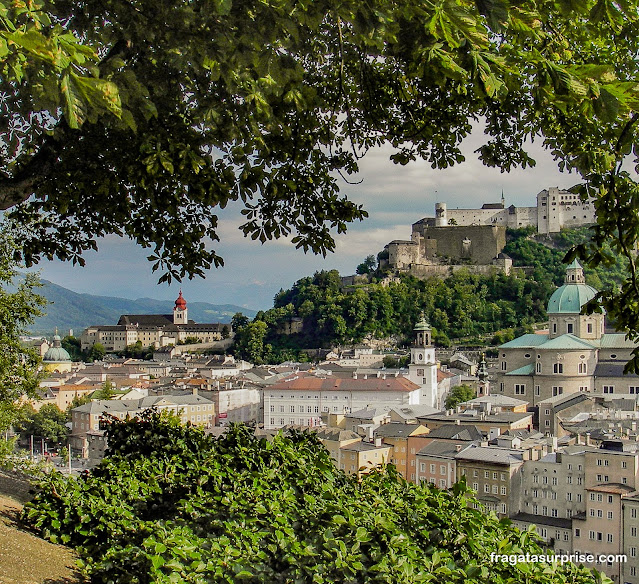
{"x":152,"y":330}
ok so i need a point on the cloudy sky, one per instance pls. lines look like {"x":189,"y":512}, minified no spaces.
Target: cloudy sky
{"x":394,"y":196}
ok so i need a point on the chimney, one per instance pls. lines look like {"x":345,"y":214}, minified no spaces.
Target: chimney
{"x":633,"y":426}
{"x":457,"y":422}
{"x":588,"y":443}
{"x":378,"y":441}
{"x":458,"y":447}
{"x":195,"y":390}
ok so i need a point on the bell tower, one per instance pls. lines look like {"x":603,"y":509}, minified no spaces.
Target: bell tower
{"x":423,"y":365}
{"x":180,"y":313}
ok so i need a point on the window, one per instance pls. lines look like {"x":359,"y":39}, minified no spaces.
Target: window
{"x":503,"y":365}
{"x":568,"y":496}
{"x":495,"y":476}
{"x":538,"y":367}
{"x":558,"y":368}
{"x":520,"y":389}
{"x":486,"y":488}
{"x":610,"y":499}
{"x":476,"y":487}
{"x":582,"y":367}
{"x":495,"y":490}
{"x":554,"y":513}
{"x":292,"y":409}
{"x":609,"y":514}
{"x":503,"y":491}
{"x":272,"y":408}
{"x":537,"y":390}
{"x":432,"y":469}
{"x":556,"y":390}
{"x":591,"y":534}
{"x":486,"y":474}
{"x":570,"y":328}
{"x":544,"y":510}
{"x":442,"y":469}
{"x":624,"y":464}
{"x":609,"y":389}
{"x":589,"y":327}
{"x":599,"y":513}
{"x":569,"y":480}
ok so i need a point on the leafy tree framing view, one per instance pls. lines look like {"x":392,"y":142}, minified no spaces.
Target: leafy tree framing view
{"x":119,"y":117}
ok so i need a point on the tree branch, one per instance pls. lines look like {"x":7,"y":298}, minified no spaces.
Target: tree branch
{"x":18,"y":188}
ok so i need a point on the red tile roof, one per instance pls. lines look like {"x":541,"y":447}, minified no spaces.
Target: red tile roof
{"x":306,"y":382}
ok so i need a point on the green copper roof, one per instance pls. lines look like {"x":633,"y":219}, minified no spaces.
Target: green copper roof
{"x":575,"y":265}
{"x":527,"y":341}
{"x":422,"y":325}
{"x":562,"y":342}
{"x":569,"y":298}
{"x":525,"y":370}
{"x":56,"y":354}
{"x":567,"y":342}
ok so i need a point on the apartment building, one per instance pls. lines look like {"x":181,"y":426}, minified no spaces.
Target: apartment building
{"x":189,"y":408}
{"x":630,"y":538}
{"x":491,"y":472}
{"x":397,"y":436}
{"x":437,"y":462}
{"x":302,"y":398}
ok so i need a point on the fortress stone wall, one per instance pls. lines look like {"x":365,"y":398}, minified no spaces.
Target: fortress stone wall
{"x":476,"y":237}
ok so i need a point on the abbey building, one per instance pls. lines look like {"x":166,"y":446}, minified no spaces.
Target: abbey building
{"x":152,"y":330}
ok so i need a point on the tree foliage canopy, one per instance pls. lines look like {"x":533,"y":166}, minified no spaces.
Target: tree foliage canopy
{"x":168,"y":504}
{"x":19,"y":306}
{"x":141,"y":120}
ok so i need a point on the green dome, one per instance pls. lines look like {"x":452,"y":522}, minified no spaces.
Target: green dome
{"x":569,"y":298}
{"x":57,"y":352}
{"x":422,"y":325}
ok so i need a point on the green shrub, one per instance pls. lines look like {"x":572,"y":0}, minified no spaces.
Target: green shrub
{"x":169,"y":504}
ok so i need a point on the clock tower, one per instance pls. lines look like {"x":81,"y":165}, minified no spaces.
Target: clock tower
{"x":423,"y":365}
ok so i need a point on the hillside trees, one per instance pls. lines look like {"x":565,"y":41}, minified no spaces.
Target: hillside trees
{"x":18,"y":309}
{"x":463,"y":305}
{"x":128,"y":119}
{"x":169,"y":504}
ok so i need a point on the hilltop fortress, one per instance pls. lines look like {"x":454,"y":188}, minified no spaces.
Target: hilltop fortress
{"x":474,"y":238}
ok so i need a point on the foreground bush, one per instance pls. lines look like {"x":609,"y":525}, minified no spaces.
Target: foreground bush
{"x":168,"y":504}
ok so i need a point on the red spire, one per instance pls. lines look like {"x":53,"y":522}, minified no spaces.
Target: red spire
{"x":180,"y":303}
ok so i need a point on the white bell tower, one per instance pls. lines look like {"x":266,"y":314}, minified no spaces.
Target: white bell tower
{"x":423,"y":365}
{"x":180,"y":312}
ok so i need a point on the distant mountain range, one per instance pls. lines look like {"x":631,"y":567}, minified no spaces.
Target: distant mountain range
{"x":69,"y":310}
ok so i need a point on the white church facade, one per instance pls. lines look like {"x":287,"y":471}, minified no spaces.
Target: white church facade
{"x":303,"y":397}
